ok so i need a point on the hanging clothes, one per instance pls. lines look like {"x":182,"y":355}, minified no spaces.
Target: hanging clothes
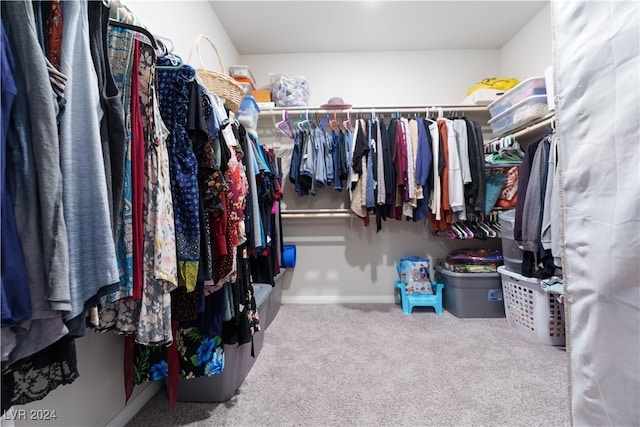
{"x":410,"y":130}
{"x":34,"y":167}
{"x":16,"y":299}
{"x":435,"y":196}
{"x":120,"y":54}
{"x":160,"y":265}
{"x":92,"y":256}
{"x":173,"y":93}
{"x":381,"y":173}
{"x":455,"y":182}
{"x":112,"y":130}
{"x":475,"y":191}
{"x":424,"y":160}
{"x":39,"y":359}
{"x":358,"y":175}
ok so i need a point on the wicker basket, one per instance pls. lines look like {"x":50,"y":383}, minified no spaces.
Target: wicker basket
{"x":218,"y":83}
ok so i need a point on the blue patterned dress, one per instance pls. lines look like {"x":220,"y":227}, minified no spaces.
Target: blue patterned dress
{"x":173,"y":93}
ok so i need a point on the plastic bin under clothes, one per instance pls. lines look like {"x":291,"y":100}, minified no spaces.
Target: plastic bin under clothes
{"x":531,"y":311}
{"x":275,"y":300}
{"x":511,"y":251}
{"x":476,"y":295}
{"x":237,"y":362}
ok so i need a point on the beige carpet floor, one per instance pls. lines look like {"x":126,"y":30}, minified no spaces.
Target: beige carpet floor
{"x":371,"y":365}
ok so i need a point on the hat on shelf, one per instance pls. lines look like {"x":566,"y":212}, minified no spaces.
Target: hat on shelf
{"x":336,"y":102}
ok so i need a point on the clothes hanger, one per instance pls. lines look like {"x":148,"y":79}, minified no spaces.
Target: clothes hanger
{"x":491,"y":232}
{"x":347,"y":123}
{"x":325,"y":121}
{"x":162,"y":42}
{"x":458,"y":232}
{"x":176,"y":60}
{"x":447,"y":232}
{"x":335,"y":122}
{"x":306,"y":122}
{"x":298,"y":122}
{"x":428,"y":118}
{"x":284,"y":126}
{"x":137,"y":29}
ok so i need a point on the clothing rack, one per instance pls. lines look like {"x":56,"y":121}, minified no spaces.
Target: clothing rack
{"x":544,"y":124}
{"x":317,"y":213}
{"x":276,"y":111}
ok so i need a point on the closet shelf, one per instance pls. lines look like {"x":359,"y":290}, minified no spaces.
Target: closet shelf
{"x":543,"y":124}
{"x":383,"y":110}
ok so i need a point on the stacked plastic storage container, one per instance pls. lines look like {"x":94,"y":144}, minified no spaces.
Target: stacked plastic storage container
{"x":519,"y":106}
{"x":472,"y":286}
{"x":511,"y":251}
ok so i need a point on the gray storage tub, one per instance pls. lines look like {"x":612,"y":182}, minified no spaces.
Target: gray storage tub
{"x":237,"y":362}
{"x":471,"y":294}
{"x":511,"y":251}
{"x":275,"y":297}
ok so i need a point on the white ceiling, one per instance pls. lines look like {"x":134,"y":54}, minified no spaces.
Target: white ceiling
{"x":277,"y":27}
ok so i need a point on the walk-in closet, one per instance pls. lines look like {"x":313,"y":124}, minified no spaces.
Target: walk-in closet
{"x":323,"y":213}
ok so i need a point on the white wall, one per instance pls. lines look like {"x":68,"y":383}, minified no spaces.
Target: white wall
{"x":182,"y":22}
{"x":529,"y":52}
{"x":96,"y":397}
{"x":383,"y":78}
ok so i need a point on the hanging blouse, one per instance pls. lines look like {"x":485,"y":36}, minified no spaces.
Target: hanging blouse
{"x":400,"y":162}
{"x":456,"y":185}
{"x":381,"y":189}
{"x":91,"y":250}
{"x":120,"y":50}
{"x":435,"y":196}
{"x":357,"y":190}
{"x":424,"y":161}
{"x":410,"y":188}
{"x":370,"y":197}
{"x":137,"y":176}
{"x":173,"y":88}
{"x":159,"y":258}
{"x":112,"y":128}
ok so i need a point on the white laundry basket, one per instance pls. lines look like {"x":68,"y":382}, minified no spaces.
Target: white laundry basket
{"x":532,"y":311}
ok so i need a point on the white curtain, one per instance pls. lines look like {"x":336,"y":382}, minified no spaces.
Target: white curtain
{"x":597,"y":74}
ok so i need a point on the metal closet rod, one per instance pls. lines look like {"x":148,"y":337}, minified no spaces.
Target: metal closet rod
{"x":384,"y":110}
{"x":545,"y":122}
{"x":318,"y":213}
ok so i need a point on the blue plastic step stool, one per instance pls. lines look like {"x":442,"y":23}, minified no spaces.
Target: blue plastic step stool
{"x":409,"y":301}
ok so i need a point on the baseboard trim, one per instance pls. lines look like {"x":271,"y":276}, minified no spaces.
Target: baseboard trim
{"x":337,"y":299}
{"x":135,"y":405}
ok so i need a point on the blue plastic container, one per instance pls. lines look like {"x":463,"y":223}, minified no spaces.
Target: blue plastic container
{"x":289,"y":256}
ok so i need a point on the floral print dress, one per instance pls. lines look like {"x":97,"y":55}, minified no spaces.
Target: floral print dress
{"x":149,"y":318}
